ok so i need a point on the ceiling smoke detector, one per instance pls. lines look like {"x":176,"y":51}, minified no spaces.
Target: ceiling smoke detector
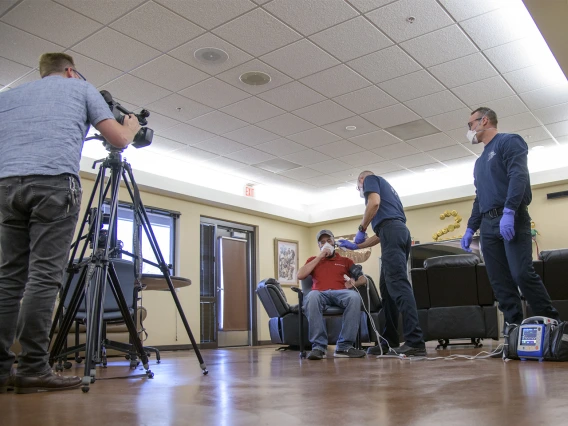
{"x":255,"y":78}
{"x":211,"y":55}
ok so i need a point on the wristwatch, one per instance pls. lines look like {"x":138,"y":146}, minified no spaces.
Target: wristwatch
{"x":361,"y":229}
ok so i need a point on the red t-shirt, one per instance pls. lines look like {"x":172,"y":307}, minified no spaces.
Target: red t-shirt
{"x":328,"y":273}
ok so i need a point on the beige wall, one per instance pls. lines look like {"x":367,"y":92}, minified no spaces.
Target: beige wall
{"x":163,"y":324}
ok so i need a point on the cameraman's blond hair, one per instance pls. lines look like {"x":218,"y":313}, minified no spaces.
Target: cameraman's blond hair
{"x":52,"y":63}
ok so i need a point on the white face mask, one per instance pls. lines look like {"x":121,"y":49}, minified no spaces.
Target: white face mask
{"x":471,"y":136}
{"x":361,"y":193}
{"x":328,"y":246}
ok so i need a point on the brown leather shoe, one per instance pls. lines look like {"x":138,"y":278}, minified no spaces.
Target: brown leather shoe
{"x":47,"y":383}
{"x":7,"y":383}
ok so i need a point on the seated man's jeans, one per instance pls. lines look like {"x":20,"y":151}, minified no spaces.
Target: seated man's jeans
{"x":315,"y":304}
{"x":38,"y":215}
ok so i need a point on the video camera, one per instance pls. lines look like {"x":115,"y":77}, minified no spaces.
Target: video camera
{"x":144,"y":136}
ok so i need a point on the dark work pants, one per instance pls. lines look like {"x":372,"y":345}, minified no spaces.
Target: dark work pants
{"x":396,"y":291}
{"x":38,"y":215}
{"x":510,"y":268}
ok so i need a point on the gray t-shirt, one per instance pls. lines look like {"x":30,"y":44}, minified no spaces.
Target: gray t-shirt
{"x":43,"y":124}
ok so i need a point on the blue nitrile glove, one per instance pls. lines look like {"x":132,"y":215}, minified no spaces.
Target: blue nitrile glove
{"x":360,"y":237}
{"x":344,"y":244}
{"x":507,"y":224}
{"x":466,"y":240}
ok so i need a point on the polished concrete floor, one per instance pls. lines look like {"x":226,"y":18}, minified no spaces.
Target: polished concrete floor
{"x":261,"y":386}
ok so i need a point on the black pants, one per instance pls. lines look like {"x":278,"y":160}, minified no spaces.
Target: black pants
{"x":510,"y":268}
{"x":396,"y":291}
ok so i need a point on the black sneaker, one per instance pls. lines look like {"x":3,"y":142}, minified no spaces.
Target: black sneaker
{"x":316,"y":354}
{"x":408,"y":351}
{"x":349,"y":353}
{"x":376,"y":350}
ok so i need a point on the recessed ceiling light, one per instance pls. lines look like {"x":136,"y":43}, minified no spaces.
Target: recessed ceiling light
{"x":255,"y":78}
{"x":430,"y":170}
{"x":350,"y":128}
{"x":537,"y":148}
{"x":211,"y":55}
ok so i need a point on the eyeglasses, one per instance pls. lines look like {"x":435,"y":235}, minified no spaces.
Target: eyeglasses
{"x":76,"y":72}
{"x":471,"y":122}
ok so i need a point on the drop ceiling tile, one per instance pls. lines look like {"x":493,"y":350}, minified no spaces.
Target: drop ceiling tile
{"x":6,"y":4}
{"x":476,"y":149}
{"x":331,"y":166}
{"x":301,"y":173}
{"x":351,"y":39}
{"x":325,"y":180}
{"x":494,"y":28}
{"x":95,"y":72}
{"x":428,"y":168}
{"x":285,"y":124}
{"x":215,"y":13}
{"x":398,"y":150}
{"x":47,"y":19}
{"x":391,"y":19}
{"x":450,"y":152}
{"x":365,"y":6}
{"x":535,"y":77}
{"x":535,"y":134}
{"x":483,"y":91}
{"x":362,"y":127}
{"x":170,"y":73}
{"x":428,"y":143}
{"x":232,"y":76}
{"x":375,"y":140}
{"x":10,"y":71}
{"x":34,"y":75}
{"x":385,"y":64}
{"x":314,"y":137}
{"x":162,"y":145}
{"x":547,"y":143}
{"x":437,"y":103}
{"x":339,"y":149}
{"x":547,"y":96}
{"x":463,"y":162}
{"x":553,"y":114}
{"x":398,"y":176}
{"x":462,"y":10}
{"x":505,"y":107}
{"x":224,"y":164}
{"x":362,"y":158}
{"x":513,"y":56}
{"x":300,"y":59}
{"x":451,"y":120}
{"x":323,"y":113}
{"x":558,"y":129}
{"x":277,"y":165}
{"x":292,"y":96}
{"x":280,"y":147}
{"x":464,"y":70}
{"x":220,"y":146}
{"x":157,"y":27}
{"x":307,"y":157}
{"x":335,"y":81}
{"x":308,"y":17}
{"x":349,"y":175}
{"x":178,"y":107}
{"x":159,"y":122}
{"x":515,"y":123}
{"x":23,"y":47}
{"x":217,"y":122}
{"x":459,"y":134}
{"x":411,"y":86}
{"x":383,"y":167}
{"x":257,"y":32}
{"x":365,"y":100}
{"x":415,"y":160}
{"x":186,"y":53}
{"x":135,"y":90}
{"x":439,"y":46}
{"x":253,"y":110}
{"x":214,"y":93}
{"x":108,"y":46}
{"x":186,"y":134}
{"x":391,"y":116}
{"x":414,"y":129}
{"x":191,"y":154}
{"x":104,"y":11}
{"x":250,"y":156}
{"x":251,"y":135}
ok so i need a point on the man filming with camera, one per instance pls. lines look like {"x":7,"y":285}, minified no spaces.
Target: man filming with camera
{"x":42,"y":127}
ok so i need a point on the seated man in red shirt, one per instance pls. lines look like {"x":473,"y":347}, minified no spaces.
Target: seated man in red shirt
{"x":332,"y":286}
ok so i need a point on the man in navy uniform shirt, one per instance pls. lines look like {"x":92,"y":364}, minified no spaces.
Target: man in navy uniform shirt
{"x":385,"y":214}
{"x":503,"y":193}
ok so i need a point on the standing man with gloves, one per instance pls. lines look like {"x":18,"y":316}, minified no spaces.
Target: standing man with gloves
{"x":385,"y":213}
{"x":503,"y":193}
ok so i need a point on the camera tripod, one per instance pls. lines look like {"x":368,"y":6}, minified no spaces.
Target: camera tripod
{"x":97,"y":270}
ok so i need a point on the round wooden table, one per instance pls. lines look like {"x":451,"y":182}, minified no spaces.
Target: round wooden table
{"x":158,"y":282}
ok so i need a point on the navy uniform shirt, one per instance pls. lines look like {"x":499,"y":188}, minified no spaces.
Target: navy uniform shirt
{"x":501,"y":177}
{"x":390,"y":207}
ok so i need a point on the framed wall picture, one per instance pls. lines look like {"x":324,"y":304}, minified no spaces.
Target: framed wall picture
{"x":286,"y":261}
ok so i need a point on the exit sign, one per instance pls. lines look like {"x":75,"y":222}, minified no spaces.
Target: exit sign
{"x":249,"y":191}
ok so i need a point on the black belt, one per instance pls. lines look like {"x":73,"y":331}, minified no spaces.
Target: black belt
{"x":384,"y":223}
{"x":493,"y":213}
